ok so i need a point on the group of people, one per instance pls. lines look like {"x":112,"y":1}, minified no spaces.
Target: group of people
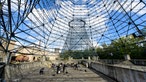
{"x":63,"y":67}
{"x":60,"y":68}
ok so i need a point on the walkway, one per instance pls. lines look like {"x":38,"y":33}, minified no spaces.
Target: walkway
{"x":81,"y":75}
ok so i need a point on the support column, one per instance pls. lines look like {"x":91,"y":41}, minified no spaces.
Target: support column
{"x":89,"y":58}
{"x":127,"y":57}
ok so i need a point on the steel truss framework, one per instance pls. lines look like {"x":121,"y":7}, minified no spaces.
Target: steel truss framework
{"x":68,"y":24}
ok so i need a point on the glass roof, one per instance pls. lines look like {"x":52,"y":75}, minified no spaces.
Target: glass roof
{"x":70,"y":24}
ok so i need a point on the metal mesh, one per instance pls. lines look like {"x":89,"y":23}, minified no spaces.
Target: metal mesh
{"x":69,"y":24}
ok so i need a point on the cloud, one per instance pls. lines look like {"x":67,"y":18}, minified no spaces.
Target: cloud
{"x":18,"y":43}
{"x":56,"y":20}
{"x":64,"y":16}
{"x":128,"y":5}
{"x":14,"y":5}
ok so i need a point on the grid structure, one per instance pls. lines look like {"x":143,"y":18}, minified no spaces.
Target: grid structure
{"x":77,"y":38}
{"x":69,"y":24}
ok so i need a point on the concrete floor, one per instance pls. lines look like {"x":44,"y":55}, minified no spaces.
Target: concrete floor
{"x":72,"y":76}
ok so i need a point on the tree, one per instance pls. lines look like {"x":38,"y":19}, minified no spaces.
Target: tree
{"x":122,"y":46}
{"x":119,"y":48}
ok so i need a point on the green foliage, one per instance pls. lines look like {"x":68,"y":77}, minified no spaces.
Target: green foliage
{"x":78,"y":54}
{"x":119,"y":48}
{"x":65,"y":55}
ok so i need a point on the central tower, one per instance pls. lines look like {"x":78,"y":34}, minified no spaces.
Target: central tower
{"x":77,"y":38}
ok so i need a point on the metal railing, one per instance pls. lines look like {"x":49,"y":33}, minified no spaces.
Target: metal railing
{"x":139,"y":62}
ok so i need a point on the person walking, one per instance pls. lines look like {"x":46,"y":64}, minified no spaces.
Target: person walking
{"x":58,"y":69}
{"x":64,"y":68}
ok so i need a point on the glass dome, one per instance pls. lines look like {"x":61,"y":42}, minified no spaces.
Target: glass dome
{"x":70,"y":24}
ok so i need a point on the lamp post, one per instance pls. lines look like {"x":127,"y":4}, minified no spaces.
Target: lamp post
{"x":112,"y":57}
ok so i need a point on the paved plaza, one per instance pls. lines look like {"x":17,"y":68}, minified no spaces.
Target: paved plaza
{"x":81,"y":75}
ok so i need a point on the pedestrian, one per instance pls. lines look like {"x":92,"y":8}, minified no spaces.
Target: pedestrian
{"x":53,"y":66}
{"x":58,"y":69}
{"x":76,"y":66}
{"x":41,"y":71}
{"x":64,"y":68}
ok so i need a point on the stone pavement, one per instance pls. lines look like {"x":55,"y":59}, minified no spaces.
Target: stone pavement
{"x":81,"y":75}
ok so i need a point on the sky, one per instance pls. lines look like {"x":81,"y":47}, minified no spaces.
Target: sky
{"x":47,"y":24}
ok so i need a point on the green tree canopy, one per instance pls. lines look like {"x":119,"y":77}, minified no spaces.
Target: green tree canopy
{"x":119,"y":48}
